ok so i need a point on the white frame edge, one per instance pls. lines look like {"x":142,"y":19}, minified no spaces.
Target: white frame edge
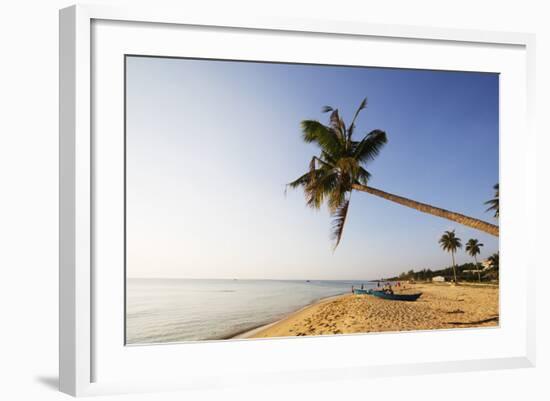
{"x":74,"y":201}
{"x":75,"y":224}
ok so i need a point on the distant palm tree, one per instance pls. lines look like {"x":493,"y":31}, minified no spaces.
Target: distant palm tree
{"x":450,"y":243}
{"x":339,"y":169}
{"x":494,"y":203}
{"x":473,"y":247}
{"x":493,"y":261}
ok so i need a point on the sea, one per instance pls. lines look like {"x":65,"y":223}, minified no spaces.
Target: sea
{"x":179,"y":310}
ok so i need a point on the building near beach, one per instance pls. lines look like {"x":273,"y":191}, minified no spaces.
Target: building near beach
{"x":438,"y":279}
{"x":473,"y":271}
{"x":486,"y":264}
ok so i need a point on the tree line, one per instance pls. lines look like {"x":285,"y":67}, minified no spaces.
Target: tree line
{"x":464,"y":272}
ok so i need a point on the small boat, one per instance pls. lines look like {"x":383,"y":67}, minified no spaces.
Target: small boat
{"x":396,"y":297}
{"x":359,"y":291}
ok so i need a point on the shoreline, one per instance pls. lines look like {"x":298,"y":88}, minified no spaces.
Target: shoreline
{"x":441,"y":306}
{"x":249,"y":333}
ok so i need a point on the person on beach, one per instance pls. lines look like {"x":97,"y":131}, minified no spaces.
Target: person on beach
{"x":362,"y":286}
{"x":352,"y":289}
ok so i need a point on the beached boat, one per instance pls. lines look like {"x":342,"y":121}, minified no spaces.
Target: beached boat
{"x":396,"y":297}
{"x":359,"y":291}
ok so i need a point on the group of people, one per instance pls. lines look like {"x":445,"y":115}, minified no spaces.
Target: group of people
{"x":387,"y":287}
{"x":353,"y":287}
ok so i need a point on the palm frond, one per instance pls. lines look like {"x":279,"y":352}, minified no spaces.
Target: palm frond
{"x":326,"y":109}
{"x":312,"y":173}
{"x":494,"y":203}
{"x":352,"y":125}
{"x":335,"y":119}
{"x":370,"y":146}
{"x":325,"y":160}
{"x":363,"y":176}
{"x":337,"y":124}
{"x":328,"y":158}
{"x":337,"y":195}
{"x":325,"y":137}
{"x":318,"y":188}
{"x":312,"y":165}
{"x":339,"y":221}
{"x":300,"y":181}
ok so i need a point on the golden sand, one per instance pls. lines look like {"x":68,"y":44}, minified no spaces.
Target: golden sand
{"x":441,"y":306}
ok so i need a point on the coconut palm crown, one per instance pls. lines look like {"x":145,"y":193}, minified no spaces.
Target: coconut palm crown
{"x":494,"y":203}
{"x":340,"y":168}
{"x":333,"y":173}
{"x":449,"y":242}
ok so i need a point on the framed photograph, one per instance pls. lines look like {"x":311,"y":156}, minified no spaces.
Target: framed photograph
{"x":276,"y":200}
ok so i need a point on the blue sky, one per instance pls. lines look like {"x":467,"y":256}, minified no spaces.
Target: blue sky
{"x":211,"y":145}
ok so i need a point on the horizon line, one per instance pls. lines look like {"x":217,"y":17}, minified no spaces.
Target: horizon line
{"x":250,"y":279}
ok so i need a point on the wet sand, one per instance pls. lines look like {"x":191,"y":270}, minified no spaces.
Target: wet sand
{"x":441,"y":306}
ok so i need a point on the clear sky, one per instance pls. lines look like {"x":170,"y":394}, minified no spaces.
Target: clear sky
{"x":211,"y":145}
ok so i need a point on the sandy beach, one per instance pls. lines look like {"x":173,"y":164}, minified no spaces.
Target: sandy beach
{"x":441,"y":306}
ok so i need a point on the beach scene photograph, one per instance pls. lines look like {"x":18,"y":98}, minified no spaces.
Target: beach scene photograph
{"x":283,"y":200}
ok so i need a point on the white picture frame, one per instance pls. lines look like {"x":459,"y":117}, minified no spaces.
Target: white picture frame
{"x":79,"y":342}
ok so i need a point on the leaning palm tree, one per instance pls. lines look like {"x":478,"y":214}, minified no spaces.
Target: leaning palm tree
{"x":494,"y":203}
{"x":339,"y":169}
{"x":473,"y":247}
{"x":450,"y":243}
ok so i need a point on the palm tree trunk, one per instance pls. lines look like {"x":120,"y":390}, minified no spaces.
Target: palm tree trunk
{"x":435,"y":211}
{"x":454,"y":269}
{"x":477,"y":268}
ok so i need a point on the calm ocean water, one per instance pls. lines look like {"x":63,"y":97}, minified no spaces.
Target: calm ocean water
{"x":171,"y":310}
